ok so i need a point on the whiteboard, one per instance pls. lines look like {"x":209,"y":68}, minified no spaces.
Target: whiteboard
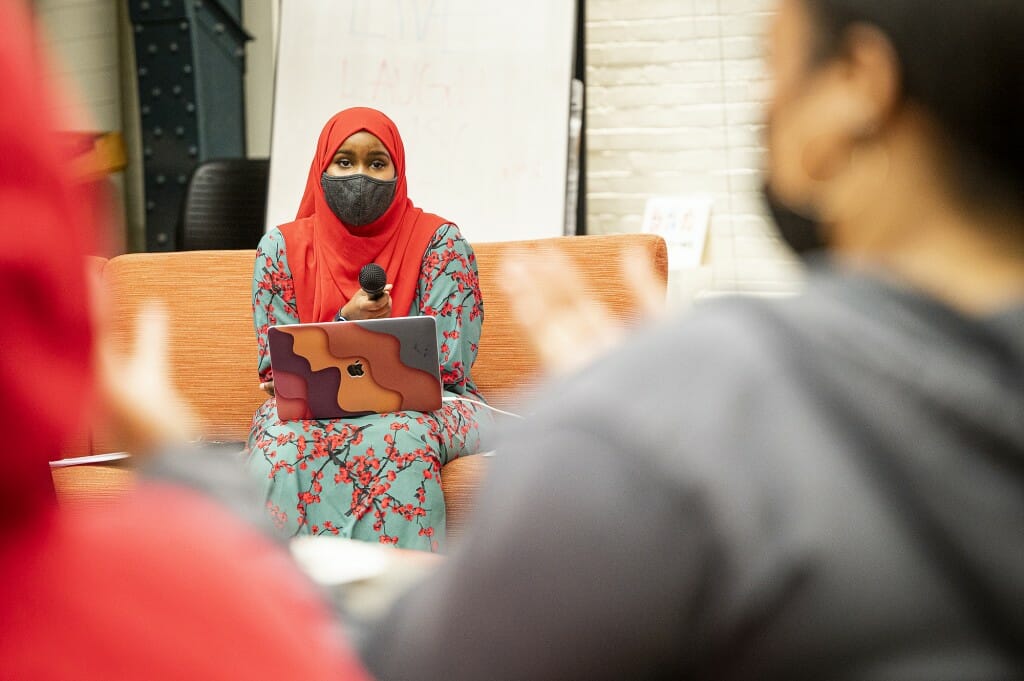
{"x":479,"y":90}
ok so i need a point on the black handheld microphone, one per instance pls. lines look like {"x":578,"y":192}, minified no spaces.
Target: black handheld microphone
{"x":373,"y":279}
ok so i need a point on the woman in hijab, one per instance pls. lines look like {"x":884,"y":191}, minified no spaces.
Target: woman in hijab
{"x":377,"y":477}
{"x":164,"y":584}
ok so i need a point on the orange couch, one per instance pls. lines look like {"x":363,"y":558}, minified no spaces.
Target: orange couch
{"x":212,"y":351}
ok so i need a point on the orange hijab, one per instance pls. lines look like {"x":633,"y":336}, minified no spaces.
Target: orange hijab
{"x":325,"y":255}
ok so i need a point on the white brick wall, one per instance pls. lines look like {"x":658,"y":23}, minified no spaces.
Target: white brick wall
{"x":83,"y":37}
{"x":260,"y":19}
{"x":673,"y":108}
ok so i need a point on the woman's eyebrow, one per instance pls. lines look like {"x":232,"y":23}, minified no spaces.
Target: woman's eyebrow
{"x":380,"y":154}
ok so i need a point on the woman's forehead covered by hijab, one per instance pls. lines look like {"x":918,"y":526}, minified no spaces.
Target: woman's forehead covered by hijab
{"x":346,"y":123}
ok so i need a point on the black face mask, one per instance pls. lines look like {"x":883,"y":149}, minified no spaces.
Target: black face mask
{"x":358,"y":200}
{"x":801,"y":232}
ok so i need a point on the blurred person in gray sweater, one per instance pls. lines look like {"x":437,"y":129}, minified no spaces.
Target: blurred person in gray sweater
{"x":823,"y":487}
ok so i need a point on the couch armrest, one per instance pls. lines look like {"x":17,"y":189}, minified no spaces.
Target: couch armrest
{"x":85,"y":486}
{"x":96,"y":484}
{"x":460,"y":482}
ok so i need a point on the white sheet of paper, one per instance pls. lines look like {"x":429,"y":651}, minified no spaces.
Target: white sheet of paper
{"x":89,"y":460}
{"x":333,"y":562}
{"x":683,"y":222}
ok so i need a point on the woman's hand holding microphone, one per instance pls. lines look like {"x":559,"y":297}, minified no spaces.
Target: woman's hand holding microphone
{"x":371,"y":301}
{"x":363,"y":306}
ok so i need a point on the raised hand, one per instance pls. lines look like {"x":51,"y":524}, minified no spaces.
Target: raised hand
{"x":567,"y":328}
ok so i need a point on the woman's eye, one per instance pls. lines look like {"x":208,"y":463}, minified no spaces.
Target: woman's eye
{"x":378,"y":165}
{"x":343,"y":162}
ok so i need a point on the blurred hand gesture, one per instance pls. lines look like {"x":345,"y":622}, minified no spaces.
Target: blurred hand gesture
{"x":566,"y":327}
{"x":141,"y":403}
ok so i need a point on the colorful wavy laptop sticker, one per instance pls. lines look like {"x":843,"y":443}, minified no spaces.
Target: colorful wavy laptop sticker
{"x":344,"y":370}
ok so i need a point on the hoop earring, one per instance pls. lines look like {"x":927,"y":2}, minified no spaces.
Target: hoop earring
{"x":832,"y":164}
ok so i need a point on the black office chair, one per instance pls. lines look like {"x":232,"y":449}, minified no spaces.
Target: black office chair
{"x":225,"y":205}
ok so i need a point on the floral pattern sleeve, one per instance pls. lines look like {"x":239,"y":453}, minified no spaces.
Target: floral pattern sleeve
{"x":449,"y":291}
{"x":273,"y":295}
{"x":375,"y":477}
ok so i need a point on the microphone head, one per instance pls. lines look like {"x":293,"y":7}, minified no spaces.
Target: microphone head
{"x":372,"y":278}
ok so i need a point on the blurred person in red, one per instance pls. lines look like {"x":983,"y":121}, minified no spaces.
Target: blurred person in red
{"x":829,"y":486}
{"x":164,"y":584}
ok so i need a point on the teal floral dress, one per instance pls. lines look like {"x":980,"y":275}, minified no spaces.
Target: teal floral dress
{"x":375,"y":478}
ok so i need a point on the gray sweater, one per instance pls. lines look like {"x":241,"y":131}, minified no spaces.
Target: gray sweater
{"x":827,"y":487}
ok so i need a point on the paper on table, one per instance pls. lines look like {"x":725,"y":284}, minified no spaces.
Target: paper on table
{"x":363,"y":579}
{"x":87,"y":460}
{"x":334,"y":561}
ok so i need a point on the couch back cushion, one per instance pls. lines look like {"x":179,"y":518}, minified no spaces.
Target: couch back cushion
{"x":507,"y":369}
{"x":212,"y":351}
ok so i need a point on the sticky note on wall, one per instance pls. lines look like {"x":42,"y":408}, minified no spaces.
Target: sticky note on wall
{"x":683,"y":222}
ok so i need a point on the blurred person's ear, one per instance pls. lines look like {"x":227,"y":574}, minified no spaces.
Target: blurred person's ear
{"x":857,"y":94}
{"x":830,"y":116}
{"x":873,"y":79}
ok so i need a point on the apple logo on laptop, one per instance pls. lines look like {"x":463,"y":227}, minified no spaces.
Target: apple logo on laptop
{"x":355,"y":370}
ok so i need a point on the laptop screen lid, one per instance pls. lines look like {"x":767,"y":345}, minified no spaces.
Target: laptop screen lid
{"x":333,"y":370}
